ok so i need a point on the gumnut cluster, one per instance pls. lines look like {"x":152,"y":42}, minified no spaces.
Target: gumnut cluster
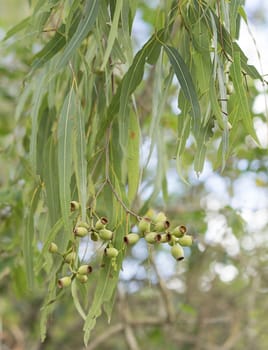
{"x":97,"y":230}
{"x":156,"y":228}
{"x":153,"y":228}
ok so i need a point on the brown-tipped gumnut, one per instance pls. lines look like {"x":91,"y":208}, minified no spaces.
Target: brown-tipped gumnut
{"x":82,"y":278}
{"x":105,"y":234}
{"x":177,"y":252}
{"x":84,"y":269}
{"x":165,"y":238}
{"x":53,"y":248}
{"x":161,"y":226}
{"x":152,"y":237}
{"x":186,"y":241}
{"x":179,"y":231}
{"x":64,"y":282}
{"x":101,"y":223}
{"x":111,"y":252}
{"x":74,"y":205}
{"x":144,"y":225}
{"x":70,"y":257}
{"x":80,"y":231}
{"x":131,"y":238}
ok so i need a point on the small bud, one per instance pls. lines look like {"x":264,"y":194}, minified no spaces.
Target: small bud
{"x":152,"y":237}
{"x":69,"y":258}
{"x":94,"y":236}
{"x":144,"y":225}
{"x":64,"y":282}
{"x":53,"y":248}
{"x":161,"y":226}
{"x":105,"y":234}
{"x":80,"y":231}
{"x":82,"y":278}
{"x":177,"y":252}
{"x":111,"y":252}
{"x":186,"y":241}
{"x":131,"y":238}
{"x":179,"y":231}
{"x":84,"y":269}
{"x":101,"y":223}
{"x":75,"y":206}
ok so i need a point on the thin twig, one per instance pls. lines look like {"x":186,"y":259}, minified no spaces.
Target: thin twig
{"x":165,"y":294}
{"x":119,"y":327}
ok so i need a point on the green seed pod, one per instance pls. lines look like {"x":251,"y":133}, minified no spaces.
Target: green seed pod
{"x":161,"y":226}
{"x":111,"y":252}
{"x":101,"y":223}
{"x":152,"y":237}
{"x":53,"y":248}
{"x":160,"y":217}
{"x":131,"y":238}
{"x":94,"y":236}
{"x":64,"y":282}
{"x":82,"y":278}
{"x":84,"y":269}
{"x":75,"y":206}
{"x":165,"y":238}
{"x":83,"y":224}
{"x":105,"y":234}
{"x":177,"y":252}
{"x":144,"y":225}
{"x":186,"y":241}
{"x":69,"y":258}
{"x":150,"y":214}
{"x":179,"y":231}
{"x":80,"y":231}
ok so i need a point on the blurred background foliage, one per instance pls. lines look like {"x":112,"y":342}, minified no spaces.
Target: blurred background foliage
{"x":216,"y":299}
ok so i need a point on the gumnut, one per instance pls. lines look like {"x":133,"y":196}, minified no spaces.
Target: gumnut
{"x":101,"y":223}
{"x":144,"y":225}
{"x":80,"y":231}
{"x":186,"y":241}
{"x":165,"y":238}
{"x":177,"y":252}
{"x":75,"y":205}
{"x":69,"y":258}
{"x":131,"y":238}
{"x":152,"y":237}
{"x":84,"y":269}
{"x":179,"y":231}
{"x":111,"y":252}
{"x":94,"y":236}
{"x":64,"y":282}
{"x":53,"y":248}
{"x":105,"y":234}
{"x":82,"y":278}
{"x":160,"y":217}
{"x":161,"y":226}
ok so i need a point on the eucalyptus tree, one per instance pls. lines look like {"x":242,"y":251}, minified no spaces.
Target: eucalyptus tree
{"x":97,"y":106}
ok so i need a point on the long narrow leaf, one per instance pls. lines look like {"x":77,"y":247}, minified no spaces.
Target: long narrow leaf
{"x":242,"y":99}
{"x":28,"y":238}
{"x":65,"y":135}
{"x":84,"y":27}
{"x":184,"y":77}
{"x":80,"y":157}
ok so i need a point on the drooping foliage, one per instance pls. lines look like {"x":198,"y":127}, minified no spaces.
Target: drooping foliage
{"x":84,"y":95}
